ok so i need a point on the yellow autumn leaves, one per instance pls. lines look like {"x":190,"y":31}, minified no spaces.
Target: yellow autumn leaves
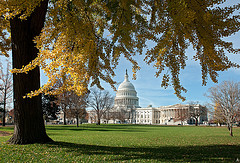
{"x":82,"y":41}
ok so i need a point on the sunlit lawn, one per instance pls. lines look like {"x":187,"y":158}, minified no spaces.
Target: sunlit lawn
{"x":128,"y":143}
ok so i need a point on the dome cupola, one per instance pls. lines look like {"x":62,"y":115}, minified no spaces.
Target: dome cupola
{"x":126,"y":95}
{"x":126,"y":84}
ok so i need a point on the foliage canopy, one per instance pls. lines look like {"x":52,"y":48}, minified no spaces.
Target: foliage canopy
{"x":83,"y":40}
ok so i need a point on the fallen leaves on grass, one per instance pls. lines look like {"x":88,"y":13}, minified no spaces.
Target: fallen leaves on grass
{"x":5,"y":133}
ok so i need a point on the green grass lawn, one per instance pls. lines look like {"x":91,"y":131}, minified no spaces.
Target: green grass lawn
{"x":128,"y":143}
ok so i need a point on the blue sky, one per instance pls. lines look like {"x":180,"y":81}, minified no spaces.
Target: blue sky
{"x":149,"y":88}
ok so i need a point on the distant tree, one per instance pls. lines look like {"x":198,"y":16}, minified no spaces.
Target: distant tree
{"x":195,"y":111}
{"x":6,"y":88}
{"x":238,"y":118}
{"x":218,"y":116}
{"x":182,"y":114}
{"x":227,"y":98}
{"x":77,"y":106}
{"x":111,"y":115}
{"x":49,"y":105}
{"x":63,"y":100}
{"x":107,"y":116}
{"x":101,"y":101}
{"x":77,"y":113}
{"x":72,"y":105}
{"x":121,"y":115}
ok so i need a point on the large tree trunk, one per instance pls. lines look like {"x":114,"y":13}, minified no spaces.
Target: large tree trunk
{"x":29,"y":124}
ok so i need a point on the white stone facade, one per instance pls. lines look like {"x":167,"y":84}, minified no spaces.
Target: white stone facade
{"x":126,"y":96}
{"x":127,"y":110}
{"x":171,"y":115}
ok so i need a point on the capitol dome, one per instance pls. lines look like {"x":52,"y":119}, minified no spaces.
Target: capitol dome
{"x":126,"y":85}
{"x":126,"y":95}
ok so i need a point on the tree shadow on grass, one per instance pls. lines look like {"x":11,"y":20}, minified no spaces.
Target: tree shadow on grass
{"x":212,"y":153}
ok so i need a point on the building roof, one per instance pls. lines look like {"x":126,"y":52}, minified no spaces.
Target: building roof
{"x":126,"y":94}
{"x":126,"y":84}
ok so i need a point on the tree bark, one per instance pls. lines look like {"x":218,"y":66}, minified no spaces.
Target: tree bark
{"x":230,"y":129}
{"x":98,"y":122}
{"x":29,"y":123}
{"x":77,"y":120}
{"x":231,"y":133}
{"x":4,"y":107}
{"x":196,"y":121}
{"x":64,"y":116}
{"x":98,"y":118}
{"x":3,"y":117}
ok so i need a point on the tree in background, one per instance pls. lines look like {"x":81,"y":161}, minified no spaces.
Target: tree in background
{"x":77,"y":106}
{"x":63,"y":99}
{"x":195,"y":110}
{"x":121,"y":115}
{"x":101,"y":101}
{"x":6,"y":88}
{"x":71,"y":104}
{"x":226,"y":96}
{"x":49,"y":106}
{"x":238,"y":118}
{"x":78,"y":114}
{"x":63,"y":102}
{"x":218,"y":116}
{"x":182,"y":114}
{"x":72,"y":40}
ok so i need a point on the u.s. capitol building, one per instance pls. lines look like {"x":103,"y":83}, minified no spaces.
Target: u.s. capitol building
{"x":127,"y":110}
